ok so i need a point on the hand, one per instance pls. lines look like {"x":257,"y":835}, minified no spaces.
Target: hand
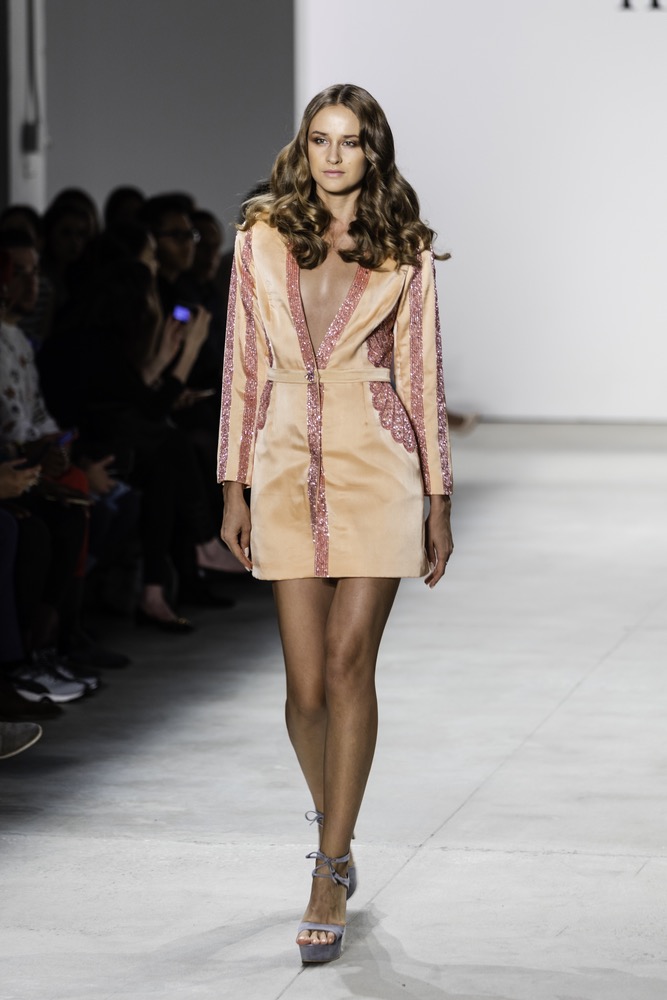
{"x":196,"y":330}
{"x":235,"y":531}
{"x":54,"y":458}
{"x":171,"y":341}
{"x":439,"y":544}
{"x":14,"y":480}
{"x":99,"y":479}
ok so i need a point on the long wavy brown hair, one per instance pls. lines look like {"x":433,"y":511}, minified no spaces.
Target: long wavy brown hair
{"x":387,"y":224}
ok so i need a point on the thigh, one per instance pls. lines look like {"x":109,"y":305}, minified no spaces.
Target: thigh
{"x":303,"y":608}
{"x":358,"y":615}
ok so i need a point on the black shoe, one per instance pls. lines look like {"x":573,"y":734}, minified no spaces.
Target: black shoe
{"x":182,"y":625}
{"x":90,"y":654}
{"x":204,"y":595}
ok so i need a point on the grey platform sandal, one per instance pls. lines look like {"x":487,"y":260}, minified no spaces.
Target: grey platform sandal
{"x":315,"y":816}
{"x":325,"y":952}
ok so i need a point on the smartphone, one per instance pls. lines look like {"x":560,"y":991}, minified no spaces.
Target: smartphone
{"x":182,"y":314}
{"x":66,"y":437}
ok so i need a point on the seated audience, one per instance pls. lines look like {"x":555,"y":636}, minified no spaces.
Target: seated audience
{"x":123,"y":205}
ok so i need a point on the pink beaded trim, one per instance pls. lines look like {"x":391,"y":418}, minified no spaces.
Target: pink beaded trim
{"x":264,"y":401}
{"x":249,"y":361}
{"x":443,"y":433}
{"x":392,"y":414}
{"x":417,"y":371}
{"x":380,"y":344}
{"x":227,"y":379}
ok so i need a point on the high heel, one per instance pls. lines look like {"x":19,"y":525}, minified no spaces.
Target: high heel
{"x":315,"y":816}
{"x":325,"y":952}
{"x":142,"y":617}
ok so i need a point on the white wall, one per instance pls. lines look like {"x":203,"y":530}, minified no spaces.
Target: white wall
{"x":534,"y":132}
{"x":193,"y":95}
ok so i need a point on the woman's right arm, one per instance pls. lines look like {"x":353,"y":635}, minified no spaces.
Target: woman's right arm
{"x":236,"y":527}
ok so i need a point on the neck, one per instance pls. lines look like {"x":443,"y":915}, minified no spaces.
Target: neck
{"x":343,"y":208}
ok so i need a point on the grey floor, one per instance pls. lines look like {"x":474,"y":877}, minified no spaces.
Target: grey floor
{"x":513,"y":842}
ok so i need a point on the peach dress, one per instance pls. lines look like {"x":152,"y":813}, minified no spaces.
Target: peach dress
{"x":338,"y":459}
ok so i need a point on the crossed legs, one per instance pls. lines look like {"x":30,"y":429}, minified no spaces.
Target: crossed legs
{"x":331,"y":632}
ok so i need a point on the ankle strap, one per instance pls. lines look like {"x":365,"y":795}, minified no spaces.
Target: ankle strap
{"x":315,"y":816}
{"x":324,"y":861}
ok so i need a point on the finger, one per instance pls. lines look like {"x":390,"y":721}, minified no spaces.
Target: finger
{"x":236,"y":549}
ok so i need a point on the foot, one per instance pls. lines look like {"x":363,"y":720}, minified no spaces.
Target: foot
{"x":213,"y":555}
{"x":154,"y":604}
{"x":327,"y":905}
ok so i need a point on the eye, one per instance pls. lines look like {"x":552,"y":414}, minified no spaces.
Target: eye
{"x":351,"y":142}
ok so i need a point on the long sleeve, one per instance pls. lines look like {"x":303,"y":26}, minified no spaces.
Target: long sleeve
{"x":23,"y":413}
{"x":245,"y":369}
{"x":418,"y":373}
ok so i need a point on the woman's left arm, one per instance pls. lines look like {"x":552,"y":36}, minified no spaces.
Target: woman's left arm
{"x":439,"y":544}
{"x":419,"y":378}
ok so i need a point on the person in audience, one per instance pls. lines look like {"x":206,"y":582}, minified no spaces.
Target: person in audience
{"x":123,"y":205}
{"x":37,"y":324}
{"x":141,"y":373}
{"x":175,"y":237}
{"x":79,"y":199}
{"x":62,"y":496}
{"x":178,"y":286}
{"x":68,"y":228}
{"x":32,"y":677}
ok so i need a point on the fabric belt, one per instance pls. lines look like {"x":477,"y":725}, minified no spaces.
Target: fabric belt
{"x":329,"y":375}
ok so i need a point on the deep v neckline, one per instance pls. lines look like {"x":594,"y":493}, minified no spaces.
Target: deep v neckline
{"x":320,"y":357}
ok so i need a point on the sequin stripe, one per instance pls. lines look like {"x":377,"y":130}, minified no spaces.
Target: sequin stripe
{"x":263,"y":408}
{"x":417,"y":372}
{"x":319,"y":518}
{"x":249,"y":361}
{"x":443,"y":434}
{"x":298,"y":318}
{"x":227,"y":379}
{"x":342,"y":317}
{"x":380,"y":344}
{"x":392,"y":414}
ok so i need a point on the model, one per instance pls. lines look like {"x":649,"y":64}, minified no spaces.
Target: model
{"x":333,"y":410}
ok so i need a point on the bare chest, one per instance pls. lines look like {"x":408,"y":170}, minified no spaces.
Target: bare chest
{"x":323,"y":291}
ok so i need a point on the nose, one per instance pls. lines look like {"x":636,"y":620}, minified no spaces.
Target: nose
{"x":333,"y":156}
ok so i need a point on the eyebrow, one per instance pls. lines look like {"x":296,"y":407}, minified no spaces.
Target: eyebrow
{"x":353,"y":135}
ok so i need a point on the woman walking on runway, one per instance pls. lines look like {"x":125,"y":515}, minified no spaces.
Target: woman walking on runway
{"x":332,"y":299}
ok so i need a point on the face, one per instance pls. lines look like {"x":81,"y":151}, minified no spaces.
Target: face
{"x":23,"y":288}
{"x":176,"y":242}
{"x":148,"y":255}
{"x":69,"y":238}
{"x":337,"y":161}
{"x":208,"y":251}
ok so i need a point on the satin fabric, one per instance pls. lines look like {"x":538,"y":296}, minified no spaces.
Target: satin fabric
{"x":338,"y":459}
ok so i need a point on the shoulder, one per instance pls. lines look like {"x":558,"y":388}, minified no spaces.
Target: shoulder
{"x":15,"y":338}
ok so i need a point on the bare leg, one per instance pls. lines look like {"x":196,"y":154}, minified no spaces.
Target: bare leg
{"x":331,"y":641}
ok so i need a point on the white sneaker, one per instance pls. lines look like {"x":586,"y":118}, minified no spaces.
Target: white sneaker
{"x":63,"y":669}
{"x":42,"y":681}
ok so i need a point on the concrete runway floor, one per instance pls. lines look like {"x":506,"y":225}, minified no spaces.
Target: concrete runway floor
{"x":513,"y":841}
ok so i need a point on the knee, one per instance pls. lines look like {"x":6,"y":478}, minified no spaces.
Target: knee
{"x":310,"y":705}
{"x":350,"y":666}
